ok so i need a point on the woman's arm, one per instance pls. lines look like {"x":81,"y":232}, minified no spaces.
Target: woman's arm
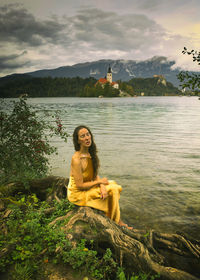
{"x":78,"y":176}
{"x":103,"y":189}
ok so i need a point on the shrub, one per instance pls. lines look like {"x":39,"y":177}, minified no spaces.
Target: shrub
{"x":24,"y":143}
{"x":29,"y":239}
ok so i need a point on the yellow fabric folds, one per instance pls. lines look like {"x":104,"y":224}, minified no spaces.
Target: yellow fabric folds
{"x":92,"y":197}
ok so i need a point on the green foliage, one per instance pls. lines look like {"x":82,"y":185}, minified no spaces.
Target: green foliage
{"x":34,"y":242}
{"x":53,"y":87}
{"x":60,"y":209}
{"x":30,"y":237}
{"x":23,"y":201}
{"x":24,"y":271}
{"x":190,"y":80}
{"x":142,"y":276}
{"x":125,"y":87}
{"x":195,"y":54}
{"x":81,"y":257}
{"x":97,"y":90}
{"x":153,"y":87}
{"x":15,"y":85}
{"x":109,"y":91}
{"x":24,"y":143}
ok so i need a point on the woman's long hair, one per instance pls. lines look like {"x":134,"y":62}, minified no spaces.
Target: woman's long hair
{"x":92,"y":149}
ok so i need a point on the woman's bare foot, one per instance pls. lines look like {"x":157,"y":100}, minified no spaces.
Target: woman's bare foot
{"x":122,"y":224}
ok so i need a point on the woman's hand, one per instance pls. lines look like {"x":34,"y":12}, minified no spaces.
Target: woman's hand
{"x":104,"y":181}
{"x":104,"y":193}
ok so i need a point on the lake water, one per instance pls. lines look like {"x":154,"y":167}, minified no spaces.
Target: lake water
{"x":149,"y":145}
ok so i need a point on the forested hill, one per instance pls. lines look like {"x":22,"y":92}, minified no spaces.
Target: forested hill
{"x":153,"y":86}
{"x":15,"y":85}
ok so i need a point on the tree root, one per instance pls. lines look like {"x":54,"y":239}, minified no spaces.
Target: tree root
{"x":171,"y":255}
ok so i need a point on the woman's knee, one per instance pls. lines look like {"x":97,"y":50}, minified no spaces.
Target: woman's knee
{"x":113,"y":191}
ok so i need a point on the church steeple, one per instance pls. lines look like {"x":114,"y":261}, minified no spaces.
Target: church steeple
{"x":109,"y":69}
{"x":108,"y":79}
{"x":109,"y":75}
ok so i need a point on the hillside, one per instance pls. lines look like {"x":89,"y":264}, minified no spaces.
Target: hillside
{"x":153,"y":86}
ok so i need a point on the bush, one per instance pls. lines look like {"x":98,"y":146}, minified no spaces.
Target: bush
{"x":29,"y":239}
{"x":24,"y":143}
{"x":32,"y":243}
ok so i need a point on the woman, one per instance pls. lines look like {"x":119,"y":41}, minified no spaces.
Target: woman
{"x":85,"y":187}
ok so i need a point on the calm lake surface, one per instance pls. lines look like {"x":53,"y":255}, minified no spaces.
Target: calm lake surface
{"x":149,"y":145}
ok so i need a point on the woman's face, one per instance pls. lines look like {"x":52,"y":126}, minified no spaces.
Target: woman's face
{"x":84,"y":138}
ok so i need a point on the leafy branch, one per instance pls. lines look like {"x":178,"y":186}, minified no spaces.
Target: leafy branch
{"x":188,"y":80}
{"x":195,"y":54}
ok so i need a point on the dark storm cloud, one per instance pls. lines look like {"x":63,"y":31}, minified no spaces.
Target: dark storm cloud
{"x":12,"y":61}
{"x":19,"y":26}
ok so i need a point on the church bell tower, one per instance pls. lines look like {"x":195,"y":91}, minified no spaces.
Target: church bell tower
{"x":109,"y":75}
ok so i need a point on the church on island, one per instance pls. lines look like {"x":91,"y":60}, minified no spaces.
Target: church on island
{"x":108,"y":79}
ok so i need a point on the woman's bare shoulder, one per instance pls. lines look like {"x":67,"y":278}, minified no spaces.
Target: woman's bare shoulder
{"x":76,"y":158}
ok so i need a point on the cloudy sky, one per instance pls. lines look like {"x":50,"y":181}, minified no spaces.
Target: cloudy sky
{"x":43,"y":34}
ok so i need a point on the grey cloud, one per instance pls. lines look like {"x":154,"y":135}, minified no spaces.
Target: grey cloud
{"x":91,"y":33}
{"x":92,"y":27}
{"x":106,"y":30}
{"x":163,"y":6}
{"x":12,"y":61}
{"x":150,"y":4}
{"x":19,"y":26}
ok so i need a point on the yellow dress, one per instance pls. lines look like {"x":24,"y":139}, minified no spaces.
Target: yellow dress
{"x":92,"y":197}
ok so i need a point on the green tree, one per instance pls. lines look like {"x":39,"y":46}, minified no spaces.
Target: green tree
{"x":14,"y":86}
{"x":109,"y":91}
{"x":153,"y":87}
{"x":124,"y":86}
{"x":99,"y":90}
{"x":188,"y":80}
{"x":24,"y":143}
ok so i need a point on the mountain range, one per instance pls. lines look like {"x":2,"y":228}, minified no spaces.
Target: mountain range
{"x":123,"y":70}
